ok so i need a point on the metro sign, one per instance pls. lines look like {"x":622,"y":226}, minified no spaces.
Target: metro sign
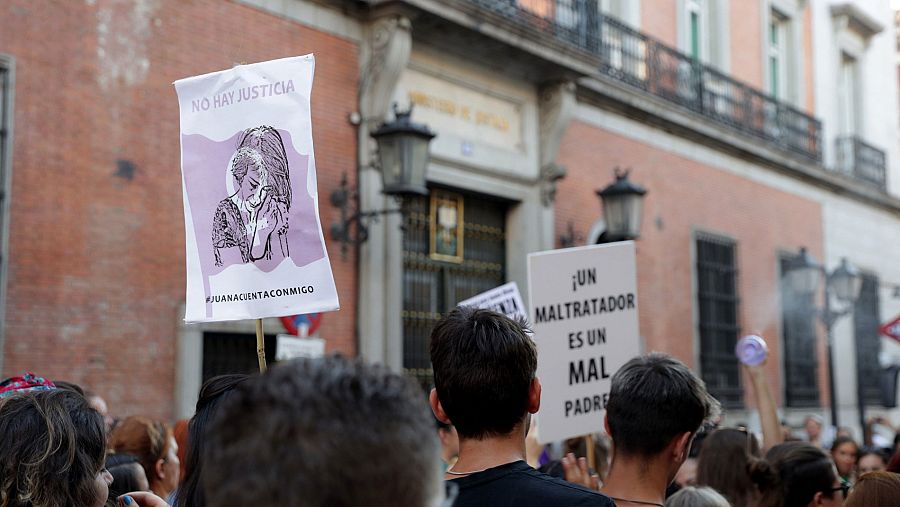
{"x":892,"y":329}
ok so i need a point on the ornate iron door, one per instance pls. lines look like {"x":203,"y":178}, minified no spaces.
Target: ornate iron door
{"x":433,"y":285}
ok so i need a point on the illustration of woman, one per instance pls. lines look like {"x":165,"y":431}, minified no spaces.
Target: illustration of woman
{"x":258,"y":209}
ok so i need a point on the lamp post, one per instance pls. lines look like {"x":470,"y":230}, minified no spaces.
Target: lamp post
{"x":403,"y":161}
{"x":403,"y":155}
{"x":623,"y":206}
{"x":803,"y":275}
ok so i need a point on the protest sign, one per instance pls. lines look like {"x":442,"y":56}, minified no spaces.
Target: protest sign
{"x":253,"y":235}
{"x":504,"y":299}
{"x":584,"y":313}
{"x":289,"y":347}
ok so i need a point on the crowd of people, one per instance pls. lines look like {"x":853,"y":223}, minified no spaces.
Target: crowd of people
{"x":334,"y":431}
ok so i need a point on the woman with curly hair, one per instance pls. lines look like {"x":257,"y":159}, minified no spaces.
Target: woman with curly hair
{"x":52,"y":449}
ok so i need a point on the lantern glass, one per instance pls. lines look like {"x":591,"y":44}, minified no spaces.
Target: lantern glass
{"x":391,"y":163}
{"x":416,"y":152}
{"x":804,"y":281}
{"x":623,"y":204}
{"x":623,"y":215}
{"x":845,"y":282}
{"x":803,"y":274}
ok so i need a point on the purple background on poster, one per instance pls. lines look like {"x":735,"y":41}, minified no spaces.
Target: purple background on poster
{"x":205,"y":165}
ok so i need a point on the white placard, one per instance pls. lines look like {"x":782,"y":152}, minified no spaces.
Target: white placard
{"x":289,"y":347}
{"x":584,"y":313}
{"x":504,"y":299}
{"x":253,"y":236}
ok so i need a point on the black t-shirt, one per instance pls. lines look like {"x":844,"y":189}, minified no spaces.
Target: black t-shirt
{"x":518,"y":485}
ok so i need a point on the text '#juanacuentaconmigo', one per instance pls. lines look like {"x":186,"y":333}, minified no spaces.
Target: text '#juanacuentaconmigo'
{"x":260,"y":294}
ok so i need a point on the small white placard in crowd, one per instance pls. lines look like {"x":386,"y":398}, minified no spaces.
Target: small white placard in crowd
{"x":585,"y":318}
{"x":504,"y":299}
{"x":289,"y":347}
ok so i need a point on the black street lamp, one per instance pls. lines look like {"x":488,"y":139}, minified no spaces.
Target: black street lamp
{"x":403,"y":155}
{"x":402,"y":160}
{"x":803,"y":275}
{"x":623,"y":205}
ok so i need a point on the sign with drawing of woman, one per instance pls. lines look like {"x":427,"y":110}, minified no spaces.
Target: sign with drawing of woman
{"x":253,"y":235}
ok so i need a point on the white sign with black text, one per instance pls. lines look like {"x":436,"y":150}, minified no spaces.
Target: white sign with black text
{"x":290,"y":347}
{"x":584,"y":313}
{"x":504,"y":299}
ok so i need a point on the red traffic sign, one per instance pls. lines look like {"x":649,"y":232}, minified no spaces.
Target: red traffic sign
{"x":305,"y":325}
{"x":892,"y":329}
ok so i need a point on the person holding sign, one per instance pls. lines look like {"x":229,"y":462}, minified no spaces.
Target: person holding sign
{"x":656,"y":406}
{"x":485,"y":385}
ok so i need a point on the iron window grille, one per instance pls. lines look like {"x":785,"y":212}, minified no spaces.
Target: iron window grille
{"x":866,"y":322}
{"x":717,"y":299}
{"x":798,"y":336}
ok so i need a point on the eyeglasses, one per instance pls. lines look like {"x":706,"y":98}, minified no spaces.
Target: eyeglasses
{"x":843,"y":488}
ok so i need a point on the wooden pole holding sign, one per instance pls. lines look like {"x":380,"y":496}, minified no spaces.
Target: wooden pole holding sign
{"x":591,"y":456}
{"x":260,"y":346}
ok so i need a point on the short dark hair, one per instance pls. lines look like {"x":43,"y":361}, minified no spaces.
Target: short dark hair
{"x":653,"y":399}
{"x":71,"y":386}
{"x":125,"y":470}
{"x":882,"y":454}
{"x":484,"y":363}
{"x":52,"y":445}
{"x":839,"y":441}
{"x":212,"y":393}
{"x":323,"y":432}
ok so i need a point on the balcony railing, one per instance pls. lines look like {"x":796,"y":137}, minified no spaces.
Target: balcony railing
{"x":861,"y":161}
{"x":640,"y":61}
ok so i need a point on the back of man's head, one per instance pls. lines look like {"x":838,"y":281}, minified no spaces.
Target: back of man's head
{"x":484,"y":364}
{"x":653,"y":399}
{"x":323,"y":432}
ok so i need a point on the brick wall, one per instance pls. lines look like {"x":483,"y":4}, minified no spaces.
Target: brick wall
{"x":661,"y":21}
{"x":745,"y":24}
{"x":96,"y":260}
{"x":686,"y":196}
